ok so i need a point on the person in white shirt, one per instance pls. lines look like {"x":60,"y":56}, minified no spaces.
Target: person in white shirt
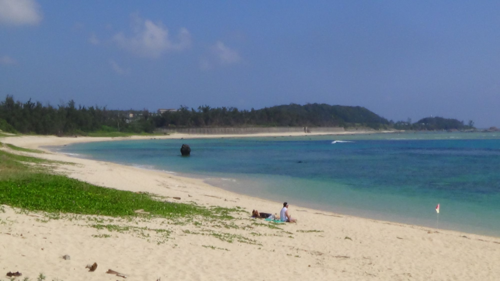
{"x":285,"y":215}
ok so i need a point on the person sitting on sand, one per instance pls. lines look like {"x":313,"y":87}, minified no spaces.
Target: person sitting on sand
{"x":285,"y":215}
{"x":256,"y":214}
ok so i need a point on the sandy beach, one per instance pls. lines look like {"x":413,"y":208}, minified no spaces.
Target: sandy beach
{"x":321,"y":246}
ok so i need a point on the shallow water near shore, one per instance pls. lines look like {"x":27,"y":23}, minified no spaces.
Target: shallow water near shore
{"x":394,"y":177}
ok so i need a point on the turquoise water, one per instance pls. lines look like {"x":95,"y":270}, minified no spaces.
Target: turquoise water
{"x":395,"y":177}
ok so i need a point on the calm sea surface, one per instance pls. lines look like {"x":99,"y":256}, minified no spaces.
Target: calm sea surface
{"x":395,"y":177}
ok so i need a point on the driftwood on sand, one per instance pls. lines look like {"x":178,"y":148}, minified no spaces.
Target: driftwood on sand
{"x":110,"y":271}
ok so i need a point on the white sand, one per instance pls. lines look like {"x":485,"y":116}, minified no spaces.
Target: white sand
{"x":322,"y":246}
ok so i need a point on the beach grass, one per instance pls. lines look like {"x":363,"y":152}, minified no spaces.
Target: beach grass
{"x":15,"y":165}
{"x":56,"y":193}
{"x":115,"y":134}
{"x":17,"y":148}
{"x":107,"y":131}
{"x":33,"y":188}
{"x":7,"y":134}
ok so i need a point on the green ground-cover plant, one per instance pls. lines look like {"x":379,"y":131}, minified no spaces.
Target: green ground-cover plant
{"x":33,"y":188}
{"x":17,"y":148}
{"x":101,"y":235}
{"x":107,"y":131}
{"x":309,"y":231}
{"x":55,"y":193}
{"x":214,"y":248}
{"x":19,"y":166}
{"x":14,"y":166}
{"x":17,"y":160}
{"x":3,"y":134}
{"x":120,"y":134}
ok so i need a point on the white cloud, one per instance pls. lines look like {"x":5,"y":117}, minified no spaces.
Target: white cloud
{"x":93,"y":39}
{"x":6,"y":60}
{"x":225,"y":54}
{"x":151,"y":39}
{"x":118,"y":69}
{"x":19,"y":12}
{"x":219,"y":54}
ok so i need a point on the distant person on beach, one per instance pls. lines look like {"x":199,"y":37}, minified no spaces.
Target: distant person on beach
{"x":256,"y":214}
{"x":285,"y":215}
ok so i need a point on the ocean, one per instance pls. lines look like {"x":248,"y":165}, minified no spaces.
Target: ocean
{"x":398,"y":177}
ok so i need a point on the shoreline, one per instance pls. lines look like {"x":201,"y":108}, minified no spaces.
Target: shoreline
{"x":218,"y":182}
{"x":199,"y":179}
{"x":36,"y":142}
{"x":324,"y":244}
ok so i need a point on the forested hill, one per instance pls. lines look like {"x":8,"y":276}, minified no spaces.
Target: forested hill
{"x":434,"y":124}
{"x":440,"y":123}
{"x":328,"y":115}
{"x":34,"y":117}
{"x":312,"y":115}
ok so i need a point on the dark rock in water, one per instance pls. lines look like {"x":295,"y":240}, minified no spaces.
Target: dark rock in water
{"x":185,"y":150}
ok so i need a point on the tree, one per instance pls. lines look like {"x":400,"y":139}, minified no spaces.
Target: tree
{"x":471,"y":123}
{"x":68,"y":118}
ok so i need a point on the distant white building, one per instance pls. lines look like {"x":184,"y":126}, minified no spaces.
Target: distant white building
{"x":163,"y":110}
{"x":129,"y":117}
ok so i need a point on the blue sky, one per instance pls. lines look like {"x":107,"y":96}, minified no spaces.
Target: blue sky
{"x":400,"y":59}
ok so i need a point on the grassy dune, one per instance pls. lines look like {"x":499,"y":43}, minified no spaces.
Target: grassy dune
{"x":17,"y":148}
{"x":26,"y":183}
